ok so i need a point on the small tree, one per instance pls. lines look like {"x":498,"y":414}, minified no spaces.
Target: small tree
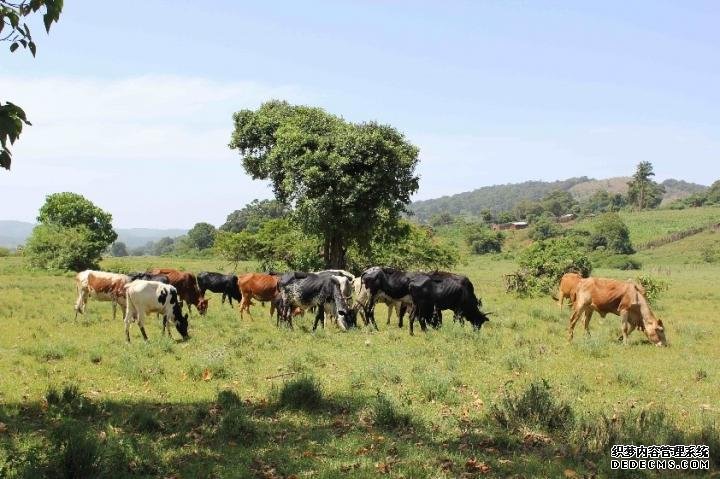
{"x":643,"y":192}
{"x":253,"y":215}
{"x":118,"y":249}
{"x":72,"y":234}
{"x":543,"y":263}
{"x":611,"y":233}
{"x":545,"y":228}
{"x":201,"y":236}
{"x":483,"y":240}
{"x":558,"y":202}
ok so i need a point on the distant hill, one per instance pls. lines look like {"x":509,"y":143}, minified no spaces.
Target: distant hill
{"x":14,"y":233}
{"x":499,"y":198}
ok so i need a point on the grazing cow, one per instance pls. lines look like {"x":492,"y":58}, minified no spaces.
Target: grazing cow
{"x":435,"y":292}
{"x":568,"y":284}
{"x":345,"y":280}
{"x":362,"y":298}
{"x":226,"y":284}
{"x":258,"y":286}
{"x":101,"y":286}
{"x":186,"y":286}
{"x":145,"y":297}
{"x":393,"y":283}
{"x":623,"y":298}
{"x":305,"y":290}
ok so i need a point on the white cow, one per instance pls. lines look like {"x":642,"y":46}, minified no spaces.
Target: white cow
{"x":362,"y":296}
{"x":145,"y":297}
{"x":101,"y":286}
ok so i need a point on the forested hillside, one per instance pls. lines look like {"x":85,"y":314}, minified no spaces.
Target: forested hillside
{"x":499,"y":198}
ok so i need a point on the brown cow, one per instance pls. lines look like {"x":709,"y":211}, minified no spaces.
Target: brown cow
{"x":101,"y":286}
{"x":259,"y":286}
{"x":622,"y":298}
{"x":186,"y":286}
{"x":568,"y":283}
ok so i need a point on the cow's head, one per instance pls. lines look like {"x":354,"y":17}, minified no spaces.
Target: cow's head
{"x":202,"y":305}
{"x":343,"y":311}
{"x":180,"y":320}
{"x":655,"y":331}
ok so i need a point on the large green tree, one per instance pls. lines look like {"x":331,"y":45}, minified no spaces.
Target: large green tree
{"x":345,"y":181}
{"x":643,"y":192}
{"x":16,"y":32}
{"x":253,"y":215}
{"x":72,"y":233}
{"x":201,"y":236}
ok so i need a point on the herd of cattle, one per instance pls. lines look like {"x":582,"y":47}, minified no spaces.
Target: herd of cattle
{"x":340,"y":297}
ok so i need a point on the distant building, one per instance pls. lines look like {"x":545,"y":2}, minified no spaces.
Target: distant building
{"x":566,"y":218}
{"x":514,"y":225}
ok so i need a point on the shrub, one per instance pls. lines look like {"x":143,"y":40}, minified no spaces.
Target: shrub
{"x":545,"y":228}
{"x":78,"y":451}
{"x":386,"y":415}
{"x":144,"y":420}
{"x":235,"y":425}
{"x":611,"y":233}
{"x":304,"y":393}
{"x":482,"y":240}
{"x":4,"y":252}
{"x":653,"y":286}
{"x":544,"y":262}
{"x":616,"y":261}
{"x":534,"y":407}
{"x":228,"y":399}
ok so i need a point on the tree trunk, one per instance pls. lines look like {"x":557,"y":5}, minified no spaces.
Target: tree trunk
{"x":335,"y":252}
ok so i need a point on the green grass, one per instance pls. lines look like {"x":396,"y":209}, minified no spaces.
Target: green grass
{"x":243,"y":398}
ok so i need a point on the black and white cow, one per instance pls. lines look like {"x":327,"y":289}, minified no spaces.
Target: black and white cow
{"x":362,"y":300}
{"x":435,"y":292}
{"x":307,"y":290}
{"x":145,"y":297}
{"x":390,"y":282}
{"x":345,"y":280}
{"x":227,"y":284}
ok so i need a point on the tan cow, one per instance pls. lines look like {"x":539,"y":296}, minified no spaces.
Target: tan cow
{"x":568,"y":283}
{"x":101,"y":286}
{"x":622,"y":298}
{"x":258,"y":286}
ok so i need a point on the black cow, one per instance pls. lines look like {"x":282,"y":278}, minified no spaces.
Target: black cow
{"x":435,"y":292}
{"x":150,"y":277}
{"x":305,"y":290}
{"x":227,"y":284}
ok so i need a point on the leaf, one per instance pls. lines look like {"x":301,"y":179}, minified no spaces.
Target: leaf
{"x":570,"y":474}
{"x":207,"y":375}
{"x":3,"y":427}
{"x":32,"y":47}
{"x":14,"y":47}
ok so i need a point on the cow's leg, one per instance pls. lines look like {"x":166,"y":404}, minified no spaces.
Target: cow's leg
{"x":561,"y":299}
{"x":573,"y":320}
{"x":401,"y":314}
{"x":141,"y":323}
{"x":588,"y":314}
{"x":625,"y":326}
{"x":319,"y":316}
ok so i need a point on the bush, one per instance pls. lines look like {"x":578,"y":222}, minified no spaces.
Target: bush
{"x":545,"y":228}
{"x":301,"y":393}
{"x":534,"y":407}
{"x":616,"y":261}
{"x":653,"y":286}
{"x":483,"y":240}
{"x":4,"y":252}
{"x":236,"y":426}
{"x":544,"y":262}
{"x":612,"y":234}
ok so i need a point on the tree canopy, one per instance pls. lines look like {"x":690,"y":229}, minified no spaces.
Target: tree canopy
{"x":253,"y":215}
{"x":17,"y":33}
{"x":72,"y":234}
{"x":344,"y":180}
{"x":201,"y":236}
{"x":643,"y":192}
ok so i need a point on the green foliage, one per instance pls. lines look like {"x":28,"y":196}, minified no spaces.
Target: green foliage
{"x":4,"y":252}
{"x":709,"y":197}
{"x":17,"y":33}
{"x":615,"y":261}
{"x":303,"y":393}
{"x":118,"y":248}
{"x":442,"y":219}
{"x":612,"y":234}
{"x":545,"y":228}
{"x":654,"y":287}
{"x":345,"y":180}
{"x":408,"y":246}
{"x":253,"y":215}
{"x":558,"y":203}
{"x":72,"y":234}
{"x":386,"y":414}
{"x":602,"y":202}
{"x":201,"y":236}
{"x":642,"y":191}
{"x":544,"y":262}
{"x":535,"y":407}
{"x":483,"y":240}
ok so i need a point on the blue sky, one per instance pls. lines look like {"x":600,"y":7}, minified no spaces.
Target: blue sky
{"x":133,"y":106}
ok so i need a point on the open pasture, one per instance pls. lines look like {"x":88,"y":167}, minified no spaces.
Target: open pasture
{"x":245,"y":399}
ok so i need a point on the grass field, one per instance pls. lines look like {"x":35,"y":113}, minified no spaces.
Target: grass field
{"x":245,"y":399}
